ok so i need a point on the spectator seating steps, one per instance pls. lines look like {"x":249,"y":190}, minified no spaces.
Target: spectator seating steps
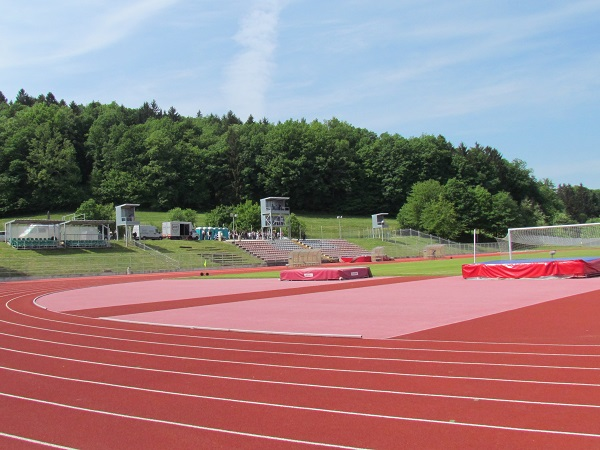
{"x":278,"y":251}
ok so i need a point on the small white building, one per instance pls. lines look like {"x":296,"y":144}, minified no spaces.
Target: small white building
{"x":48,"y":234}
{"x":178,"y":230}
{"x":125,"y":217}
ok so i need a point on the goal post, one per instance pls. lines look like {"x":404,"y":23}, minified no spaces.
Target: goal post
{"x":551,"y":237}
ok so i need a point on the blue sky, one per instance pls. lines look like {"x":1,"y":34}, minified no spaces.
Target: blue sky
{"x":520,"y":76}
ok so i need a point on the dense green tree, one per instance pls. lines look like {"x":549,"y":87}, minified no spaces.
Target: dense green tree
{"x":144,"y":113}
{"x":92,"y":210}
{"x":532,"y":213}
{"x":53,"y":173}
{"x":298,"y":227}
{"x":480,"y":166}
{"x":53,"y":155}
{"x":580,"y":202}
{"x":219,"y":216}
{"x":505,"y":214}
{"x":471,"y":204}
{"x":173,"y":114}
{"x":288,"y":166}
{"x":157,"y":163}
{"x":38,"y":164}
{"x":562,"y":218}
{"x":247,"y":217}
{"x":230,"y":119}
{"x":13,"y":188}
{"x":252,"y":140}
{"x":519,"y":181}
{"x":421,"y":195}
{"x":182,"y":215}
{"x":23,"y":98}
{"x":388,"y":162}
{"x":550,"y":203}
{"x":440,"y":218}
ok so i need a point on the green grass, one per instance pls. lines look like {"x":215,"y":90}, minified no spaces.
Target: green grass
{"x":439,"y":267}
{"x":168,"y":255}
{"x":327,"y":226}
{"x":192,"y":254}
{"x":561,"y":252}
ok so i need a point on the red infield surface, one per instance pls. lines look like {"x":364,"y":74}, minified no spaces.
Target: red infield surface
{"x":443,"y":363}
{"x":362,"y":308}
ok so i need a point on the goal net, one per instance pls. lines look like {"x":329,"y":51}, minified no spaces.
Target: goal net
{"x":522,"y":242}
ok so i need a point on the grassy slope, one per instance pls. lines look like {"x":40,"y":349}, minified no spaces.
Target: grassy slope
{"x":193,"y":254}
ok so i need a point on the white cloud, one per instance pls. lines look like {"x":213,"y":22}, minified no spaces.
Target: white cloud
{"x":58,"y":31}
{"x":248,"y":76}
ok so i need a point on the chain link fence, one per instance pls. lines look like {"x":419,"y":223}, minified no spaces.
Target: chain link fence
{"x":405,"y":243}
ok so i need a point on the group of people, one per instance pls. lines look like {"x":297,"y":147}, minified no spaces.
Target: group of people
{"x":255,"y":235}
{"x":237,"y":235}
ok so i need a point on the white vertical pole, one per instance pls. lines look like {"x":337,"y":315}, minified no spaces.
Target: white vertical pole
{"x":474,"y":245}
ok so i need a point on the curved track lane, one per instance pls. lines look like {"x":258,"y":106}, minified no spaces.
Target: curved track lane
{"x":77,"y":382}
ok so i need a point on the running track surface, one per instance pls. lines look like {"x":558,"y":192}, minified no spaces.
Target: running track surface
{"x":520,"y":370}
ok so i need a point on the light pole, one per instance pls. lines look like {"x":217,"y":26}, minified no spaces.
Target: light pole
{"x":233,"y":216}
{"x":340,"y":224}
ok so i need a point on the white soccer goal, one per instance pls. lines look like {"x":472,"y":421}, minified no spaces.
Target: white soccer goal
{"x":550,"y":238}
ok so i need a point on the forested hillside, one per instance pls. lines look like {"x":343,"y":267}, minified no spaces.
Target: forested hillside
{"x":54,"y":155}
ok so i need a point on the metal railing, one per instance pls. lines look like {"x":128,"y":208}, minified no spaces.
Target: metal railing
{"x":138,"y":262}
{"x":395,"y":244}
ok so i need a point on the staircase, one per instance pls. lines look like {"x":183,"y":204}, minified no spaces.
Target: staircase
{"x":171,"y":263}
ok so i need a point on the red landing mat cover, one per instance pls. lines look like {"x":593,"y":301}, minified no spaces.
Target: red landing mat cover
{"x":352,"y":259}
{"x":321,"y":273}
{"x":566,"y":268}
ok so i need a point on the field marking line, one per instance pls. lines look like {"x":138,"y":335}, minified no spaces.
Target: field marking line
{"x":262,"y":352}
{"x":34,"y":441}
{"x":346,"y":388}
{"x":476,"y":352}
{"x":306,"y":343}
{"x":376,"y":416}
{"x":177,"y":424}
{"x":286,"y":383}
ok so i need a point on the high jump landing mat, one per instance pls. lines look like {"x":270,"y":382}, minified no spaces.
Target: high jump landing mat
{"x":325,"y":273}
{"x":535,"y":268}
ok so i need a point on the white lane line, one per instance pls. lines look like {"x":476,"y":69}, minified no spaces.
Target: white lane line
{"x":376,"y":416}
{"x":532,"y":344}
{"x":34,"y":441}
{"x":177,"y":424}
{"x":286,"y":383}
{"x":305,"y":355}
{"x":331,"y":387}
{"x":409,"y":349}
{"x":270,"y":342}
{"x":319,"y":344}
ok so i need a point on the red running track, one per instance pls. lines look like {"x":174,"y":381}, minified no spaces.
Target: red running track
{"x":522,"y":378}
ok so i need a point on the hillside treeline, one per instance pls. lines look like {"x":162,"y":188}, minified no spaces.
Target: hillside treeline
{"x":54,"y":155}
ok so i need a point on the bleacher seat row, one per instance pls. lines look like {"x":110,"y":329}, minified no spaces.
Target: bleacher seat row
{"x":40,"y":243}
{"x":23,"y":243}
{"x":278,"y":251}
